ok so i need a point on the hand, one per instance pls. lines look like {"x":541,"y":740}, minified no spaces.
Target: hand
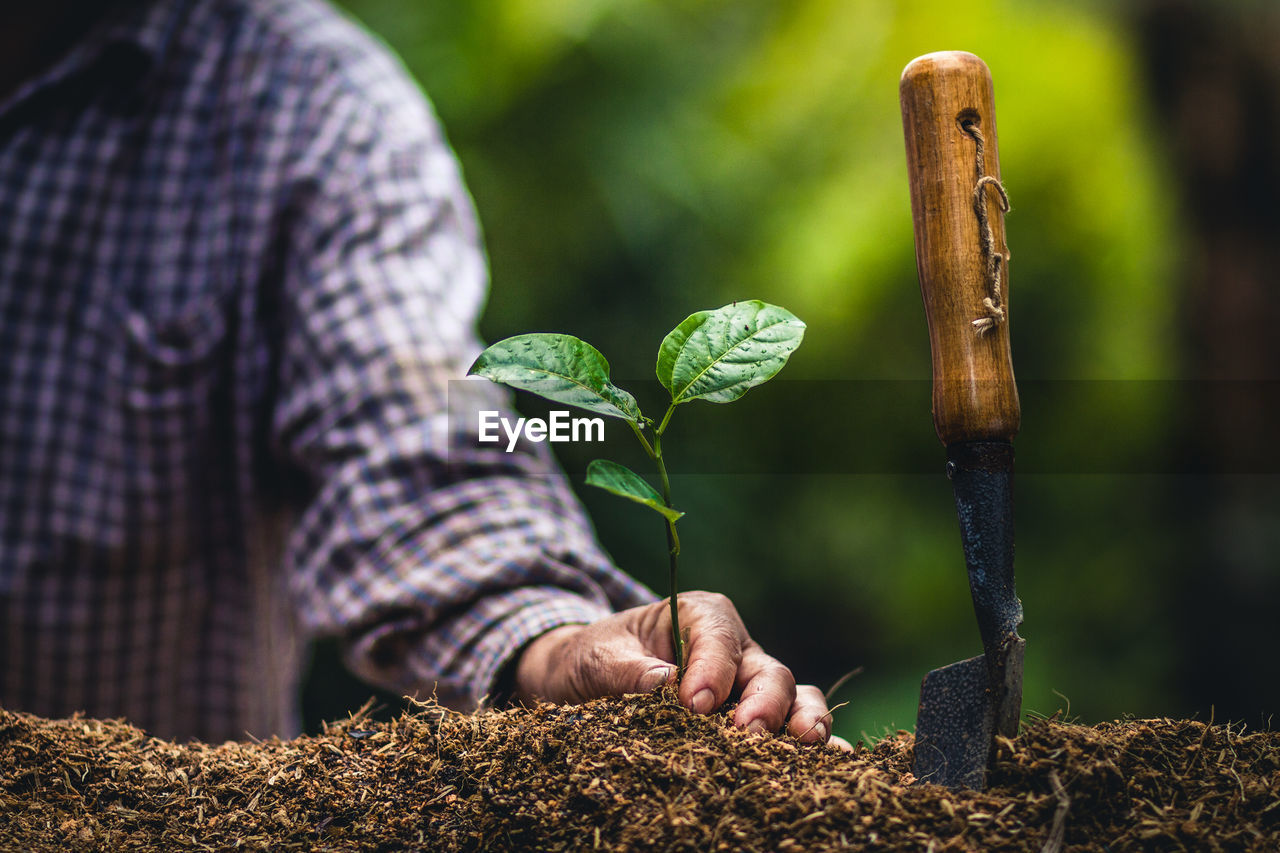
{"x":631,"y":652}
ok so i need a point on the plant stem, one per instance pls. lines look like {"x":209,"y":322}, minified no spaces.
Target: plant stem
{"x":654,"y":452}
{"x":662,"y":427}
{"x":643,"y":441}
{"x":677,"y":639}
{"x":673,"y":549}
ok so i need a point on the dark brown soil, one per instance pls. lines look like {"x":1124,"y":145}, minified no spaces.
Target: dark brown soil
{"x":638,"y":773}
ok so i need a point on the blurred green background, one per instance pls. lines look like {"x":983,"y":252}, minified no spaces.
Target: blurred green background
{"x":635,"y":161}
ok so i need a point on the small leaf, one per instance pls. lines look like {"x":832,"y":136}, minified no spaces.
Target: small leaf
{"x":559,"y":367}
{"x":719,"y":355}
{"x":622,"y":481}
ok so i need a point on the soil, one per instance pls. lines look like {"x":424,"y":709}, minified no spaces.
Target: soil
{"x":635,"y":773}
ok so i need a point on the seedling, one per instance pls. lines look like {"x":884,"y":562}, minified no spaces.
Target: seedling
{"x":716,"y":356}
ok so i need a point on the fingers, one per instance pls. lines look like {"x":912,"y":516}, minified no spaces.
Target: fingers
{"x":837,"y":742}
{"x":768,"y":691}
{"x":713,"y":652}
{"x":721,"y":656}
{"x":810,"y":720}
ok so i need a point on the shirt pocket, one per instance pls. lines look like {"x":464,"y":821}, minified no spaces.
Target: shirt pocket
{"x":174,"y":404}
{"x":171,"y":363}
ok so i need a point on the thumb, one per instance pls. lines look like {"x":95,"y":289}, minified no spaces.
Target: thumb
{"x":655,"y":674}
{"x":624,"y":668}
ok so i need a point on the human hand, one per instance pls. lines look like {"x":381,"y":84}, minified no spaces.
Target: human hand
{"x":631,"y":652}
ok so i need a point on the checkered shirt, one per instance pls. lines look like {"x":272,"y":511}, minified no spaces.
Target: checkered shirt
{"x":238,"y":272}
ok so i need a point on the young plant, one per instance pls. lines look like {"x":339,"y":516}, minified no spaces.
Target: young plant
{"x":716,"y":356}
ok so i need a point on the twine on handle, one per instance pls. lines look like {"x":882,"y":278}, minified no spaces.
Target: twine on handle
{"x":993,"y":303}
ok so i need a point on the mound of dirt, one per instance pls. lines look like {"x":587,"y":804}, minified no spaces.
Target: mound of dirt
{"x":637,"y":773}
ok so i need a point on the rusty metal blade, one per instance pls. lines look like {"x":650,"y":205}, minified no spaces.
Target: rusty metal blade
{"x":981,"y":474}
{"x":965,"y":705}
{"x":959,"y":716}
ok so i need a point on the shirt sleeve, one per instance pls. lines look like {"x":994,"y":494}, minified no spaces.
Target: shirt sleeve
{"x":434,"y":557}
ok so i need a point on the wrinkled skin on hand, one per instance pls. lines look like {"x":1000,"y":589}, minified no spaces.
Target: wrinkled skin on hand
{"x":631,"y":652}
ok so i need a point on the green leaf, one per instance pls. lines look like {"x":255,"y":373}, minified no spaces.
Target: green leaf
{"x":719,"y":355}
{"x":622,"y":481}
{"x":559,"y":367}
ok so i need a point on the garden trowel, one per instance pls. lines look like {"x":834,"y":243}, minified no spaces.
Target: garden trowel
{"x":958,"y":205}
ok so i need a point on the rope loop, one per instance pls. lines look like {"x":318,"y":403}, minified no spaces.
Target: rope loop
{"x":994,"y":260}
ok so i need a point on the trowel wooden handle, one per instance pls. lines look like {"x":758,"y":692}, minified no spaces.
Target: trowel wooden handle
{"x":974,"y":395}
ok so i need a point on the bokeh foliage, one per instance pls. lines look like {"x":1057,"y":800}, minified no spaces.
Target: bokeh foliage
{"x":635,"y":161}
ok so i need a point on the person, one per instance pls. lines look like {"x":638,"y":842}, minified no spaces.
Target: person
{"x":239,"y":275}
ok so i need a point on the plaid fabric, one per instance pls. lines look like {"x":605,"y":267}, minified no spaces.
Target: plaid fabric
{"x":238,"y":271}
